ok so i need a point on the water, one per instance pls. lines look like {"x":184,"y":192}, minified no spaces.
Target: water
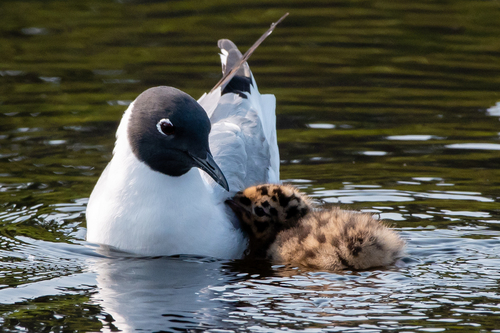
{"x":390,"y":108}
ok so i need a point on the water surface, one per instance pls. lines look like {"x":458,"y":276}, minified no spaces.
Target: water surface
{"x":389,"y":108}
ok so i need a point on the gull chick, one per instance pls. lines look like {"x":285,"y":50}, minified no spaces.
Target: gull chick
{"x":283,"y":226}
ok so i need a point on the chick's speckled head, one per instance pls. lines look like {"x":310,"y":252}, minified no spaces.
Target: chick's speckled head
{"x":264,"y":210}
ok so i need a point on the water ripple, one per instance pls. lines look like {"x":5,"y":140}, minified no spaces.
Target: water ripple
{"x":387,"y":195}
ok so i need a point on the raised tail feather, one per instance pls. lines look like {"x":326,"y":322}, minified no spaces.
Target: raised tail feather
{"x":230,"y":57}
{"x":243,"y":84}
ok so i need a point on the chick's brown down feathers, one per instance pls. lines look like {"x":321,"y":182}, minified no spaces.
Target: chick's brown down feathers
{"x":283,"y":226}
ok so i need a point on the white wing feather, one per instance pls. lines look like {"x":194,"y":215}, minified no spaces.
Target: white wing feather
{"x":243,"y":139}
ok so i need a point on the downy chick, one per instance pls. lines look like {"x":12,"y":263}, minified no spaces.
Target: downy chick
{"x":283,"y":226}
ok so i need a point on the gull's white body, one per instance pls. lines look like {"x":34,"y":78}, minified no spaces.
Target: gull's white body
{"x":136,"y":209}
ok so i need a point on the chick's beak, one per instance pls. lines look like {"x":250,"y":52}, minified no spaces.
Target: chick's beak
{"x":237,"y":209}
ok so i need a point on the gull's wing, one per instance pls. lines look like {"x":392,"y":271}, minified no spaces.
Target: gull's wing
{"x":243,"y":138}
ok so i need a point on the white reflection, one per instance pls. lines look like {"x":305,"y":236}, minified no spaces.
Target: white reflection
{"x":465,"y":213}
{"x":427,"y":179}
{"x":413,"y":137}
{"x":31,"y":31}
{"x":51,"y":79}
{"x":494,"y":110}
{"x":120,"y":102}
{"x":449,"y":196}
{"x":351,"y":194}
{"x":159,"y":294}
{"x":374,"y":153}
{"x":480,"y":146}
{"x":321,"y":126}
{"x":392,"y":216}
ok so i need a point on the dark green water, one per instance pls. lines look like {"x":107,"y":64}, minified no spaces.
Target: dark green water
{"x":383,"y":106}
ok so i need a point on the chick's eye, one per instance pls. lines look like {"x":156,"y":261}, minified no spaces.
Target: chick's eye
{"x":165,"y":127}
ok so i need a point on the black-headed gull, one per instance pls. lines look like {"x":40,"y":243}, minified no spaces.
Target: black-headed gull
{"x":160,"y":193}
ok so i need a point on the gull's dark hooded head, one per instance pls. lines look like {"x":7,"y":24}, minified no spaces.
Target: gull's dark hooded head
{"x":168,"y":130}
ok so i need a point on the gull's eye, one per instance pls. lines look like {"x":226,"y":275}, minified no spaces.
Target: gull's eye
{"x":165,"y":127}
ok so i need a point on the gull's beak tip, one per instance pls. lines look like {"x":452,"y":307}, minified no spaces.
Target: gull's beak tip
{"x":212,"y":169}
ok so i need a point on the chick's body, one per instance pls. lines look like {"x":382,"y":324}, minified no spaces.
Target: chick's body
{"x":283,"y":226}
{"x":337,"y":239}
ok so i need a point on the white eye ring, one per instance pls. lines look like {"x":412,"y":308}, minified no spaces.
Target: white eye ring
{"x":165,"y":127}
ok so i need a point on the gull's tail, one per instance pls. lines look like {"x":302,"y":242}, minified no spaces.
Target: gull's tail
{"x":243,"y":84}
{"x":242,"y":119}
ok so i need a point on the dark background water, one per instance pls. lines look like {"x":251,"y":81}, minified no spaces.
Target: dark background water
{"x":383,"y":106}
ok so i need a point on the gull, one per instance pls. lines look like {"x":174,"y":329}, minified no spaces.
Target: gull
{"x":177,"y":160}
